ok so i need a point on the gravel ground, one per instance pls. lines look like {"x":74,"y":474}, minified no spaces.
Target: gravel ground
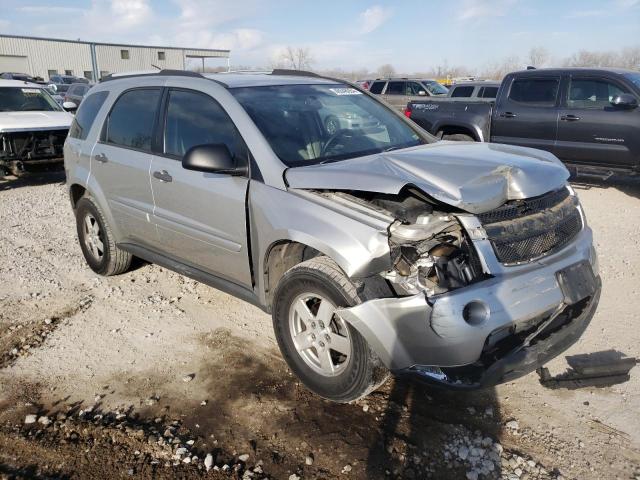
{"x":151,"y":374}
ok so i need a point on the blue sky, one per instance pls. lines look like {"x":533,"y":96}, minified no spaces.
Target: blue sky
{"x":412,"y":35}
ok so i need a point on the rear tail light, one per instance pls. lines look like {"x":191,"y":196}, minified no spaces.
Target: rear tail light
{"x":407,"y":111}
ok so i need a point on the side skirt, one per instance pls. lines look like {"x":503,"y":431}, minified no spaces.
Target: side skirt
{"x":218,"y":283}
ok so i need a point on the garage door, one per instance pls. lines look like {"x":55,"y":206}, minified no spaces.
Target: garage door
{"x":14,"y":63}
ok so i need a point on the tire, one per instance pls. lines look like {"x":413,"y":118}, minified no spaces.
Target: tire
{"x":353,"y":377}
{"x":458,"y":137}
{"x":94,"y":235}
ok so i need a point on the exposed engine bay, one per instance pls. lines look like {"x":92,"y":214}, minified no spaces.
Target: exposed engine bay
{"x":430,"y":251}
{"x":24,"y":149}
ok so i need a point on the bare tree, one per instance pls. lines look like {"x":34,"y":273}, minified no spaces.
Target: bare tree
{"x":630,"y":58}
{"x":539,"y":57}
{"x":386,"y":70}
{"x":497,"y":71}
{"x":295,"y":58}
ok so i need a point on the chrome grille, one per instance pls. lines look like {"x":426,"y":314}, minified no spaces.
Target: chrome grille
{"x":523,"y":230}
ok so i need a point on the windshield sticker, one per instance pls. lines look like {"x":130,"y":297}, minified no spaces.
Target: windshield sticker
{"x":30,"y":90}
{"x":345,"y":91}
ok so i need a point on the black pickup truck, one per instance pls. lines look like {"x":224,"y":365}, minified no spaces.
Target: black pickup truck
{"x":589,"y":118}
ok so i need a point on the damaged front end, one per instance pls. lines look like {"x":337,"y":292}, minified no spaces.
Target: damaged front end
{"x":22,"y":151}
{"x":464,"y":313}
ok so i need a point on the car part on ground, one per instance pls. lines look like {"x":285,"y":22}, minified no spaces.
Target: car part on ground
{"x":374,"y":248}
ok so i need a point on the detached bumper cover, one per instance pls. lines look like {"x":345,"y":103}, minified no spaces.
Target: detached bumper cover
{"x":412,"y":335}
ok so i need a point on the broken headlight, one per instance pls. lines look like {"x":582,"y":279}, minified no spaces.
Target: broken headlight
{"x":431,"y":255}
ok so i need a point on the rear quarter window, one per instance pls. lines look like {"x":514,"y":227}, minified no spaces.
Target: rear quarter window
{"x":86,"y":115}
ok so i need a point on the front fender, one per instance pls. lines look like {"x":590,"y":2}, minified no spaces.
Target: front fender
{"x":357,"y":243}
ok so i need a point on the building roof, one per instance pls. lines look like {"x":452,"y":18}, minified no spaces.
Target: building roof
{"x":212,"y":50}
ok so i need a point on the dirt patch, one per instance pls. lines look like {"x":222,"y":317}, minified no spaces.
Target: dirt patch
{"x":151,"y":344}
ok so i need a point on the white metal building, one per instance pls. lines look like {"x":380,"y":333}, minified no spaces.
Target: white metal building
{"x":43,"y":57}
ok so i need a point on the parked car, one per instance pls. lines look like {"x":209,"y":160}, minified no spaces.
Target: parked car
{"x":477,"y":89}
{"x":66,"y":79}
{"x":399,"y":91}
{"x":33,"y":127}
{"x":20,"y":76}
{"x":589,"y":118}
{"x":364,"y":84}
{"x":374,"y":250}
{"x":76,"y":92}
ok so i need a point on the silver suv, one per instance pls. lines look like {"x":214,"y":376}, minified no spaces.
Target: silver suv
{"x":375,"y":249}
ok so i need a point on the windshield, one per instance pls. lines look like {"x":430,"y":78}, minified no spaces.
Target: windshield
{"x":634,"y":77}
{"x":434,"y":88}
{"x":310,"y":124}
{"x":26,"y":99}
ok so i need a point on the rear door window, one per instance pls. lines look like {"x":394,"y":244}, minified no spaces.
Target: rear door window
{"x":131,"y":121}
{"x":592,"y":93}
{"x":86,"y":114}
{"x":463,"y":91}
{"x":535,"y":92}
{"x":377,"y":87}
{"x":396,"y":88}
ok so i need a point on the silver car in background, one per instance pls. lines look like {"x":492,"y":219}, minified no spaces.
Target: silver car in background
{"x":375,"y":250}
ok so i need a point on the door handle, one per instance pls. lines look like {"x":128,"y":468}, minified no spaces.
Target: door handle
{"x":508,"y":115}
{"x":163,"y":176}
{"x":569,"y":118}
{"x":102,"y":158}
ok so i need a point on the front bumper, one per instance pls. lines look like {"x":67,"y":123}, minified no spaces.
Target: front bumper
{"x":414,"y":335}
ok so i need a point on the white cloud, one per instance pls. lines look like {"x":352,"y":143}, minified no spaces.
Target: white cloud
{"x":479,"y":9}
{"x":627,"y":3}
{"x":131,"y":12}
{"x":373,"y":18}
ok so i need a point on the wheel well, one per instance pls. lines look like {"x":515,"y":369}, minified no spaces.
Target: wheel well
{"x":76,"y":191}
{"x":280,"y":258}
{"x":452,"y":130}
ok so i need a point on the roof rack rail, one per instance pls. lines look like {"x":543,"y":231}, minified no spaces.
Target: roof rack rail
{"x":177,"y":73}
{"x":293,"y":73}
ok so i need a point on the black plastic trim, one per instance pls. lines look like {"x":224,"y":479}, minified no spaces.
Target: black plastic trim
{"x":238,"y":291}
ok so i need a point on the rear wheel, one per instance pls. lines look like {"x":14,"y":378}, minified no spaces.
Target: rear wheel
{"x":328,"y":355}
{"x":97,"y":242}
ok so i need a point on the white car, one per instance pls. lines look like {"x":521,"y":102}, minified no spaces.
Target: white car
{"x":33,"y":127}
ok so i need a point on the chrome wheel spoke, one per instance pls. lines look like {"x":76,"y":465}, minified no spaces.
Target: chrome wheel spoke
{"x":325,"y":311}
{"x":99,"y":247}
{"x":88,"y":228}
{"x":340,"y":344}
{"x":303,"y":313}
{"x":326,"y":362}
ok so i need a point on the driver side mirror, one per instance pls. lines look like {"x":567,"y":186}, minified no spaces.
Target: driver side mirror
{"x":422,"y":93}
{"x":625,"y":101}
{"x":69,"y":106}
{"x":212,"y":158}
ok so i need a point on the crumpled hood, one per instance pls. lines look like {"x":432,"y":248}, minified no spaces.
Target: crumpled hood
{"x":26,"y":121}
{"x":475,"y":177}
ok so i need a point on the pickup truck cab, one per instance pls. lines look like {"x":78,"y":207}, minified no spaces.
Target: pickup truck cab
{"x":589,"y":118}
{"x":398,"y":91}
{"x":375,"y":248}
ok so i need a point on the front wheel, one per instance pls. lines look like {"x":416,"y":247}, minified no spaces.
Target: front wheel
{"x":326,"y":353}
